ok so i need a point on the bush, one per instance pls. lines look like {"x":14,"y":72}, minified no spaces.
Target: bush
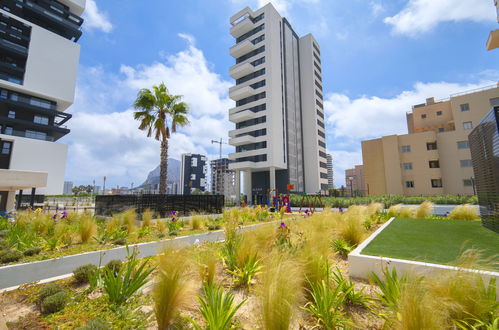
{"x":95,"y":324}
{"x":87,"y":227}
{"x":464,"y":212}
{"x":32,"y":251}
{"x":54,"y":303}
{"x":408,"y":212}
{"x":341,"y":247}
{"x":196,"y":222}
{"x":424,"y":210}
{"x":83,"y":273}
{"x":114,"y":265}
{"x":49,"y":290}
{"x":10,"y":256}
{"x":213,"y":226}
{"x":120,"y":241}
{"x":147,"y":218}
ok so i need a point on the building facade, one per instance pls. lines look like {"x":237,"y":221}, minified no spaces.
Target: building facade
{"x":279,"y":117}
{"x":38,"y":65}
{"x":355,"y":181}
{"x":434,"y":158}
{"x":223,"y":179}
{"x":330,"y":173}
{"x":493,"y":40}
{"x":193,"y":170}
{"x":68,"y":188}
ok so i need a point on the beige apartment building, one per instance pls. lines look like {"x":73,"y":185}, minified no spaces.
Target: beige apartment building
{"x":434,"y":158}
{"x":355,"y":181}
{"x":493,"y":40}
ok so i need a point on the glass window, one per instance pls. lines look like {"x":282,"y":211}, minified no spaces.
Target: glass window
{"x":35,"y":135}
{"x":423,"y":116}
{"x":494,"y":102}
{"x":466,"y":163}
{"x":407,"y":166}
{"x":41,"y":120}
{"x":467,"y":182}
{"x":12,"y":114}
{"x":3,"y":94}
{"x":465,"y":107}
{"x":409,"y":184}
{"x":431,"y":146}
{"x":467,"y":125}
{"x":439,"y":113}
{"x":8,"y":130}
{"x":406,"y":148}
{"x":434,"y":164}
{"x":463,"y":145}
{"x":6,"y":148}
{"x":436,"y":183}
{"x":441,"y":129}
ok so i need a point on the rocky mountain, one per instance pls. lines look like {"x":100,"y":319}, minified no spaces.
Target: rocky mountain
{"x":173,"y":173}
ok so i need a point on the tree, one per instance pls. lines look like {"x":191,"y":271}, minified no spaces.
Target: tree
{"x":160,"y":113}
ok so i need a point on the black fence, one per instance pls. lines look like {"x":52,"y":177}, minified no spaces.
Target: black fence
{"x":484,"y":146}
{"x":160,"y":204}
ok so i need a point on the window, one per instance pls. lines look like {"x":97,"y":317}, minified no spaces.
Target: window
{"x":6,"y":148}
{"x":409,"y":184}
{"x":41,"y":120}
{"x":467,"y":125}
{"x":494,"y":102}
{"x":12,"y":114}
{"x":194,"y":162}
{"x":193,"y":177}
{"x":423,"y":116}
{"x":434,"y":164}
{"x":463,"y":145}
{"x":35,"y":135}
{"x":436,"y":183}
{"x":431,"y":146}
{"x":467,"y":182}
{"x":465,"y":107}
{"x":8,"y":130}
{"x":406,"y":148}
{"x":441,"y":129}
{"x":407,"y":166}
{"x":466,"y":163}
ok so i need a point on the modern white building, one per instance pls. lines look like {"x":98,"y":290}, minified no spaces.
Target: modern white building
{"x":38,"y":66}
{"x":280,"y":136}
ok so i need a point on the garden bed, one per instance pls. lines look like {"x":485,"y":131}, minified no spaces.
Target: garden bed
{"x":434,"y":241}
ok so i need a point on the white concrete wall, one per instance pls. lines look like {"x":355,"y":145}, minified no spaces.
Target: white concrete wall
{"x":40,"y":156}
{"x":51,"y":67}
{"x":75,"y":6}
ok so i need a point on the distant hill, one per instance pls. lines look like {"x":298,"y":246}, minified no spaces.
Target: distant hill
{"x":173,"y":174}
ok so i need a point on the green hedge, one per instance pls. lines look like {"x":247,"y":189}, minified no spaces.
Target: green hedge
{"x":387,"y":200}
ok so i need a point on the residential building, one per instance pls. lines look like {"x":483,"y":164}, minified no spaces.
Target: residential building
{"x":38,"y":65}
{"x":493,"y":40}
{"x":434,"y":158}
{"x":330,"y":173}
{"x":355,"y":181}
{"x":484,"y":146}
{"x":279,"y":136}
{"x":193,"y":170}
{"x":97,"y":190}
{"x":68,"y":188}
{"x":223,"y":180}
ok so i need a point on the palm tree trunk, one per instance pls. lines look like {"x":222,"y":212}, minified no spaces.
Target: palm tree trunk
{"x":163,"y":166}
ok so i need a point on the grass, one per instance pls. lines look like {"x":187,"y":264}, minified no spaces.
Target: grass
{"x":434,"y":241}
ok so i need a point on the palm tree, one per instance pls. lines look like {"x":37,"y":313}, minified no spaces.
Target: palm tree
{"x":160,"y":113}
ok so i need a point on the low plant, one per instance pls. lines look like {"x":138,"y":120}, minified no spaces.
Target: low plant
{"x":129,"y":220}
{"x":54,"y":303}
{"x":464,"y":212}
{"x":172,"y":288}
{"x":196,"y":222}
{"x":161,"y":226}
{"x":173,"y":226}
{"x":327,"y":304}
{"x":424,"y":210}
{"x":147,"y":216}
{"x":247,"y":271}
{"x":84,"y":273}
{"x":351,"y":229}
{"x":32,"y":251}
{"x":131,"y":277}
{"x":207,"y":265}
{"x":48,"y":290}
{"x":217,"y":308}
{"x":95,"y":324}
{"x":114,"y":265}
{"x":10,"y":256}
{"x":390,"y":287}
{"x":407,"y":212}
{"x":347,"y":287}
{"x":394,"y":210}
{"x":87,"y":227}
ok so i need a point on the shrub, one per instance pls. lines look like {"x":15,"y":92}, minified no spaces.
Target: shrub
{"x":10,"y":256}
{"x":49,"y":290}
{"x":129,"y":219}
{"x":161,"y":226}
{"x":407,"y":212}
{"x":217,"y":308}
{"x":114,"y":265}
{"x":147,"y":218}
{"x":351,"y":228}
{"x":213,"y":226}
{"x":119,"y":241}
{"x":196,"y":222}
{"x":130,"y":278}
{"x":424,"y":210}
{"x":352,"y":296}
{"x":394,"y":210}
{"x":95,"y":324}
{"x":87,"y":227}
{"x":464,"y":212}
{"x":172,"y":289}
{"x":390,"y":287}
{"x":115,"y":223}
{"x":32,"y":251}
{"x":83,"y":273}
{"x":250,"y":268}
{"x":341,"y":247}
{"x":374,"y":208}
{"x":207,"y":265}
{"x":54,"y":303}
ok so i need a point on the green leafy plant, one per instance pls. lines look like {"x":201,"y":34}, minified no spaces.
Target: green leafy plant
{"x":390,"y":287}
{"x":341,"y":247}
{"x":347,"y":287}
{"x":250,"y":268}
{"x":48,"y":290}
{"x":131,"y":277}
{"x":10,"y":256}
{"x":217,"y":308}
{"x":83,"y":273}
{"x":54,"y":303}
{"x":32,"y":251}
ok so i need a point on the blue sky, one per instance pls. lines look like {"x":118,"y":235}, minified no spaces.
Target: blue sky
{"x":379,"y":58}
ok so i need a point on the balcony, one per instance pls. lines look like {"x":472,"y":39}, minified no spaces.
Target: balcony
{"x":242,"y":27}
{"x":240,"y":70}
{"x":244,"y":115}
{"x":493,"y":41}
{"x":234,"y":132}
{"x":242,"y":48}
{"x":248,"y":153}
{"x":17,"y":179}
{"x":246,"y":139}
{"x":237,"y":93}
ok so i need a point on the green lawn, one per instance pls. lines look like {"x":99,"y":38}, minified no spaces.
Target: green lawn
{"x":433,"y":241}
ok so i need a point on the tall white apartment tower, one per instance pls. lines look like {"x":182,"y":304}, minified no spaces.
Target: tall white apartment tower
{"x":38,"y":65}
{"x":280,"y":134}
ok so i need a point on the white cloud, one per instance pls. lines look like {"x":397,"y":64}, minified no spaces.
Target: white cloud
{"x":95,"y":19}
{"x":420,"y":16}
{"x":104,"y":138}
{"x":351,"y":120}
{"x":376,"y":8}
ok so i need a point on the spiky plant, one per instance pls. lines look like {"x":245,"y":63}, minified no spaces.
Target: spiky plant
{"x":464,"y":212}
{"x":424,"y":210}
{"x":129,"y":220}
{"x":87,"y":227}
{"x":147,"y":216}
